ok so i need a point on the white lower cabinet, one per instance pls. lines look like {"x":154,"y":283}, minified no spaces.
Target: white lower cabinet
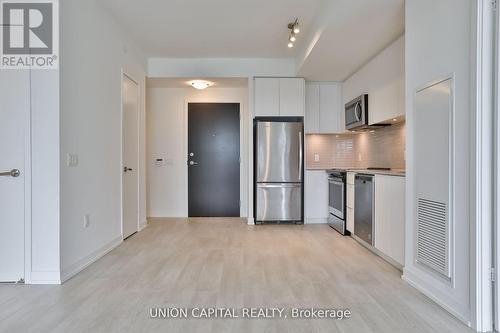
{"x":390,"y":216}
{"x":316,"y":196}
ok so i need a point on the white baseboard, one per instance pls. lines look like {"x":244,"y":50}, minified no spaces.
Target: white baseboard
{"x":53,"y":277}
{"x":316,"y":221}
{"x":81,"y":264}
{"x":435,"y":295}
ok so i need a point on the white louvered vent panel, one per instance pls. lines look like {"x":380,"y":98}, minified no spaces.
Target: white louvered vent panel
{"x":432,"y":236}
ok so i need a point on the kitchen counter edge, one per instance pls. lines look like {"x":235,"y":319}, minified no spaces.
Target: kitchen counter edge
{"x":366,"y":172}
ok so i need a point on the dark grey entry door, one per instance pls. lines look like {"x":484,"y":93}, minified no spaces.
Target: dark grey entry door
{"x":214,"y":159}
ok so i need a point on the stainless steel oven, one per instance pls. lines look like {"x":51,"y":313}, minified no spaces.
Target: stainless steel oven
{"x":337,"y":200}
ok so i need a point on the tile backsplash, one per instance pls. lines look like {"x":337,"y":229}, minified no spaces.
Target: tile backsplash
{"x":385,"y":147}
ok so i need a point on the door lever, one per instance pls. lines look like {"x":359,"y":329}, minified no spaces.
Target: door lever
{"x":193,"y":163}
{"x":125,"y":169}
{"x":12,"y":173}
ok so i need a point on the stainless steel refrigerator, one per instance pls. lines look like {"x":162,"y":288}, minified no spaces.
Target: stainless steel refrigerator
{"x":279,"y":170}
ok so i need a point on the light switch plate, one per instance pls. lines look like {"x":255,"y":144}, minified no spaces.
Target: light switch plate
{"x":86,"y":220}
{"x":72,"y":160}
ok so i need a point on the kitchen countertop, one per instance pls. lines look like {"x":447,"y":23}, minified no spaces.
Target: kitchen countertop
{"x":392,"y":172}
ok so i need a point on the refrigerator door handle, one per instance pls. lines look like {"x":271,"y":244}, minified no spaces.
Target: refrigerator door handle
{"x":301,"y":148}
{"x":279,"y":185}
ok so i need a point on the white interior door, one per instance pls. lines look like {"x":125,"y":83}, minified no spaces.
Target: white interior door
{"x":130,"y":196}
{"x":14,"y":114}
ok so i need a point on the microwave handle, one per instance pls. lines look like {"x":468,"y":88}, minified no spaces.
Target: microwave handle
{"x":356,"y":114}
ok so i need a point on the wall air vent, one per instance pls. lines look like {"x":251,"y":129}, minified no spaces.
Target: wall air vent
{"x":433,"y":236}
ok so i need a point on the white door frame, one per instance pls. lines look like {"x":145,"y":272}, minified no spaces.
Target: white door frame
{"x":482,"y":173}
{"x":125,"y":74}
{"x":496,"y":170}
{"x":27,"y":194}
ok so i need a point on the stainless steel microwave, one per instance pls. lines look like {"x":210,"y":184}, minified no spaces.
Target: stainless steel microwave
{"x":356,"y":113}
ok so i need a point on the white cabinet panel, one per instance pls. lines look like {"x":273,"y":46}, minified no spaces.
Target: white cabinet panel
{"x":312,"y":108}
{"x":390,"y":216}
{"x":351,"y":177}
{"x":324,"y":111}
{"x":267,"y":97}
{"x":316,"y":196}
{"x":383,"y":80}
{"x":350,"y":219}
{"x":329,"y":101}
{"x":350,"y":195}
{"x":291,"y":97}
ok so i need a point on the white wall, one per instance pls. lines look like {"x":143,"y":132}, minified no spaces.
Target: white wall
{"x":220,"y":67}
{"x":382,"y":78}
{"x":167,"y":139}
{"x":93,"y":52}
{"x":438,"y":43}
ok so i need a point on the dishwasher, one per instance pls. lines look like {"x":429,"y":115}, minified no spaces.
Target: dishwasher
{"x":363,"y":207}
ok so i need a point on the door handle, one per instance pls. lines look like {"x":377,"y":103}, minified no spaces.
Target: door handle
{"x":356,"y":108}
{"x":301,"y":157}
{"x":125,"y":169}
{"x":12,"y":173}
{"x":193,"y":163}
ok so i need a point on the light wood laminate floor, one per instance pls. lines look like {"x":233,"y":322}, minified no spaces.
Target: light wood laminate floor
{"x":225,"y":263}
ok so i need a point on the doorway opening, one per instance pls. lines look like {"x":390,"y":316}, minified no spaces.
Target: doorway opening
{"x":213,"y":160}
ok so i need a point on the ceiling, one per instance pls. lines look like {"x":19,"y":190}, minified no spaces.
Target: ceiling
{"x":213,"y":28}
{"x":184,"y":82}
{"x":337,"y":37}
{"x":356,"y":31}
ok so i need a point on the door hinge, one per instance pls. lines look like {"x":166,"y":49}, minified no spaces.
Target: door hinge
{"x":494,"y":4}
{"x":492,"y":274}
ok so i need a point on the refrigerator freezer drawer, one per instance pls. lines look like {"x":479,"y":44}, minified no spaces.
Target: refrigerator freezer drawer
{"x":279,"y":202}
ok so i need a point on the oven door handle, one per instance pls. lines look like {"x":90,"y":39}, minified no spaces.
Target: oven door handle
{"x":356,"y":108}
{"x":331,"y":181}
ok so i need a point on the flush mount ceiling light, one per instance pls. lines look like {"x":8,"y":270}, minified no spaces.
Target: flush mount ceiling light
{"x":294,"y":28}
{"x":201,"y":84}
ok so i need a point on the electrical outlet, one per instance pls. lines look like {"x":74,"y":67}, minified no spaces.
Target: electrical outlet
{"x":316,"y":157}
{"x":86,"y":220}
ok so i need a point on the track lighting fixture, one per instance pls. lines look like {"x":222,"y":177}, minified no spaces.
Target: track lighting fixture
{"x":294,"y":28}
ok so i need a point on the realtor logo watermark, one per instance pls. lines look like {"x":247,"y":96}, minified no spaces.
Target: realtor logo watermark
{"x":30,"y":34}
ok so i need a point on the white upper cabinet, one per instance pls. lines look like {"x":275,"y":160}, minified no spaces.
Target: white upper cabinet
{"x":329,"y":109}
{"x":267,"y":97}
{"x":383,"y":80}
{"x":292,"y":97}
{"x":312,"y":108}
{"x":324,"y":112}
{"x":279,"y":97}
